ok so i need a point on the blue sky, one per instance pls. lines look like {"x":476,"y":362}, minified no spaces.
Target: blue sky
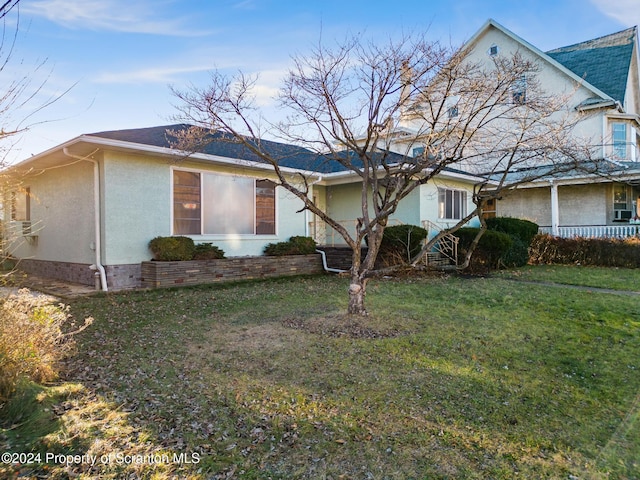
{"x":120,"y":56}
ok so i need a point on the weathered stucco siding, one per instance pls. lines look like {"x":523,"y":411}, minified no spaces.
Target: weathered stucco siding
{"x":579,"y":205}
{"x":62,"y":213}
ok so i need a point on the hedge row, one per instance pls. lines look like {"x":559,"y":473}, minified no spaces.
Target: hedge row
{"x":586,"y":251}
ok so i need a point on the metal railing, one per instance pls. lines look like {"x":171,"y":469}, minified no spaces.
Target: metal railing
{"x":446,"y":247}
{"x":595,"y":231}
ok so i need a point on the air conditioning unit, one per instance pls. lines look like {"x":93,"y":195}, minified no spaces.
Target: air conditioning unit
{"x":619,"y":215}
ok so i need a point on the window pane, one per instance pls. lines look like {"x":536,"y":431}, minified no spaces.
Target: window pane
{"x":186,"y":203}
{"x":619,"y":197}
{"x":265,"y":207}
{"x":620,"y":140}
{"x":228,"y":206}
{"x":448,"y":204}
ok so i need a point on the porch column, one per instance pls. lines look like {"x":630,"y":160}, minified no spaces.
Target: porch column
{"x":555,"y":210}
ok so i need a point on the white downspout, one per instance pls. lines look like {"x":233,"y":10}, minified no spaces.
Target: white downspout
{"x":96,"y":202}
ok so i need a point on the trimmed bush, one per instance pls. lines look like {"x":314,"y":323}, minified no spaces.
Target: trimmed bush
{"x":207,"y":251}
{"x":32,"y":341}
{"x":523,"y":229}
{"x":296,"y":245}
{"x":521,"y":232}
{"x":171,"y":249}
{"x":606,"y":252}
{"x":400,"y":243}
{"x":490,"y":251}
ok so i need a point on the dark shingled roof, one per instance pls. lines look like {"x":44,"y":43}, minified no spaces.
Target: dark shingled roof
{"x":217,"y":144}
{"x":604,"y":62}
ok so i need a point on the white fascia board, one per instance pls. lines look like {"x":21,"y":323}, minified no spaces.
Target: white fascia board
{"x":339,"y":178}
{"x":583,"y":180}
{"x":492,"y":23}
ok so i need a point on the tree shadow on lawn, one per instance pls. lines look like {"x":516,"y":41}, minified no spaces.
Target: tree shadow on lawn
{"x":311,"y":395}
{"x":361,"y":398}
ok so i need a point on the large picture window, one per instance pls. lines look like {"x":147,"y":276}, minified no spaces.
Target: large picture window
{"x":452,"y":204}
{"x":210,"y":204}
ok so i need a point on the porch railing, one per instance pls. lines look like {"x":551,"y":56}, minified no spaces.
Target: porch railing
{"x":595,"y":231}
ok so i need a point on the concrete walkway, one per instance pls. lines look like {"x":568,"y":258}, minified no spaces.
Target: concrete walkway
{"x":50,"y":286}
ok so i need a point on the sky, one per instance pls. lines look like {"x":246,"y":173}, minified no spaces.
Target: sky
{"x":109,"y":64}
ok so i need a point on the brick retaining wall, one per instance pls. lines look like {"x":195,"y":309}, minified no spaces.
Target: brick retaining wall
{"x":196,"y":272}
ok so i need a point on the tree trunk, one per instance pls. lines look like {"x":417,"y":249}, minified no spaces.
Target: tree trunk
{"x":357,"y":291}
{"x":360,"y":270}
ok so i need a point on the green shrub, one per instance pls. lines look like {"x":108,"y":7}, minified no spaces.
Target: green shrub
{"x":32,"y":341}
{"x":490,"y":251}
{"x":207,"y":251}
{"x":400,"y":243}
{"x":607,"y":252}
{"x":296,"y":245}
{"x":523,"y":229}
{"x":169,"y":249}
{"x":521,"y":233}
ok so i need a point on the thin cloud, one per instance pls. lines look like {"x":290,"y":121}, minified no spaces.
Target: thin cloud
{"x":624,"y":11}
{"x":109,"y":15}
{"x":148,"y":75}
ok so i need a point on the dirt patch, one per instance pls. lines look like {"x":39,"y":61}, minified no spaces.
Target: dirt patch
{"x":342,"y":325}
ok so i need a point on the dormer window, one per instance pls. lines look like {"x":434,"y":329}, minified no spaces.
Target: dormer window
{"x":493,"y":51}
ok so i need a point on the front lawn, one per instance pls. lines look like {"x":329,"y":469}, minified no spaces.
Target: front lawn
{"x":448,"y":378}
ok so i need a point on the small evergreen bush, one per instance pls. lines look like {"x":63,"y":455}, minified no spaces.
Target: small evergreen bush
{"x":207,"y":251}
{"x":523,"y":229}
{"x":490,"y":251}
{"x":296,"y":245}
{"x":400,"y":243}
{"x":521,"y":232}
{"x":171,"y":249}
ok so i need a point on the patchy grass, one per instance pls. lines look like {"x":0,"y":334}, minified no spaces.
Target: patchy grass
{"x":627,"y":279}
{"x":449,"y":378}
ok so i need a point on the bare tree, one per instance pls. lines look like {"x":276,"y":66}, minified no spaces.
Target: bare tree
{"x":366,"y":106}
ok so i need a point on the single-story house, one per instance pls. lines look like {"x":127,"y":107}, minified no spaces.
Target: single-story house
{"x":91,"y":205}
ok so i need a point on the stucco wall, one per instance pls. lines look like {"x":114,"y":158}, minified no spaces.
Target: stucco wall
{"x":62,"y":215}
{"x":579,"y":205}
{"x":138,"y":208}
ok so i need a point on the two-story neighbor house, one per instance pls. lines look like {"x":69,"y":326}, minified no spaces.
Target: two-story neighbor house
{"x":603,"y":75}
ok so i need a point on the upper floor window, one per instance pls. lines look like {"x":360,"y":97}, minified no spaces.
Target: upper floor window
{"x":417,"y":151}
{"x":452,"y":204}
{"x":211,"y":204}
{"x":493,"y":51}
{"x":453,"y":111}
{"x":619,"y":136}
{"x":519,"y":91}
